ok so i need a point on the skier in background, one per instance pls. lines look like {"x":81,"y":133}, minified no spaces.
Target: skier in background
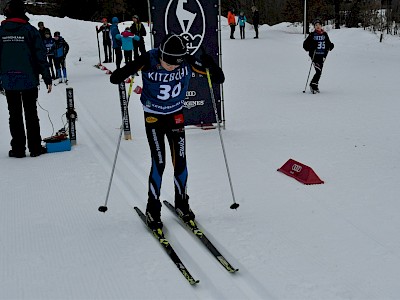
{"x":318,"y":46}
{"x":166,"y":72}
{"x":49,"y":43}
{"x":105,"y":30}
{"x":60,"y":50}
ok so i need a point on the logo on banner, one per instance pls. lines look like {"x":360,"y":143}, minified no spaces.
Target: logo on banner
{"x":189,"y":14}
{"x":194,"y":103}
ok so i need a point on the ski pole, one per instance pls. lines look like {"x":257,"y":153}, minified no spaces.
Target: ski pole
{"x":98,"y":45}
{"x":234,"y":205}
{"x":103,"y":208}
{"x":312,"y":59}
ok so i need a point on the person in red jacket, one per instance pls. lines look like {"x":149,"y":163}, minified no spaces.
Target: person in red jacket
{"x":232,"y":22}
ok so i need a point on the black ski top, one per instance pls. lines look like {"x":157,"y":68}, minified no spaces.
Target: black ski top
{"x":105,"y":29}
{"x":319,"y":42}
{"x":139,"y":30}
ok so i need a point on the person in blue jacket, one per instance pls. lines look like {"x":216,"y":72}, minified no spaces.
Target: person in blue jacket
{"x":116,"y":43}
{"x":60,"y":50}
{"x":127,"y":38}
{"x":242,"y":24}
{"x":166,"y":72}
{"x":22,"y":60}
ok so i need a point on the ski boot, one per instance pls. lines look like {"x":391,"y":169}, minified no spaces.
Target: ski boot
{"x":314,"y":88}
{"x":183,"y":209}
{"x":153,"y":215}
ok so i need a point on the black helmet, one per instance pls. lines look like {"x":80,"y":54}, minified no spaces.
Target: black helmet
{"x":14,"y":9}
{"x":172,"y":49}
{"x":57,"y":33}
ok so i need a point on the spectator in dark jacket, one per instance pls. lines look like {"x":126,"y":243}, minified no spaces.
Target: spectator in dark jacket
{"x":49,"y":44}
{"x":138,"y":29}
{"x":22,"y":59}
{"x":256,"y":20}
{"x":42,"y":29}
{"x":105,"y":29}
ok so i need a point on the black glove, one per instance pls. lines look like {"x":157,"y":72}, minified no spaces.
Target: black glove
{"x":331,"y":47}
{"x":207,"y":61}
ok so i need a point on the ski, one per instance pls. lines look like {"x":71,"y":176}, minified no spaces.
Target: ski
{"x":159,"y":235}
{"x":202,"y":237}
{"x":58,"y":83}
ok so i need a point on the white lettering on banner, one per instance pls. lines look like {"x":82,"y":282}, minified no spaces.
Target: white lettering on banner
{"x":191,"y":104}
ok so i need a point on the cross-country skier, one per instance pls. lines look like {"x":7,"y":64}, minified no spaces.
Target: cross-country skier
{"x":318,"y":45}
{"x":166,"y":72}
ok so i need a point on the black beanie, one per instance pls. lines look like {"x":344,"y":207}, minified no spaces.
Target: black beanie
{"x":172,"y":49}
{"x":15,"y":9}
{"x":317,"y":21}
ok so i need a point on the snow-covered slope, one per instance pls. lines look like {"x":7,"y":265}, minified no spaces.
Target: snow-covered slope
{"x":338,"y":240}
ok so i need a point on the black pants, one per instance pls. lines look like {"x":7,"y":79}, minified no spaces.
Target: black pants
{"x":138,"y":46}
{"x":242,"y":32}
{"x":128,"y":56}
{"x":233,"y":27}
{"x":256,"y":29}
{"x":118,"y":57}
{"x":318,"y":65}
{"x":157,"y":128}
{"x":20,"y":102}
{"x":59,"y":63}
{"x":107,"y":52}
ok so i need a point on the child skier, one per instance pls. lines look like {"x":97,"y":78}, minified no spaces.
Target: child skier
{"x":318,"y":45}
{"x":166,"y":72}
{"x":49,"y":43}
{"x":242,"y":24}
{"x":60,"y":50}
{"x":127,"y":38}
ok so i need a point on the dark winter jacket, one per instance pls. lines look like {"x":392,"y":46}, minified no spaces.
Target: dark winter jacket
{"x":114,"y":31}
{"x":60,"y":48}
{"x":318,"y":42}
{"x":138,"y":29}
{"x":105,"y":29}
{"x":256,"y":18}
{"x":22,"y":55}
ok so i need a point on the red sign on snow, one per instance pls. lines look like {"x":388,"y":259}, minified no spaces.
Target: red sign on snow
{"x":300,"y":172}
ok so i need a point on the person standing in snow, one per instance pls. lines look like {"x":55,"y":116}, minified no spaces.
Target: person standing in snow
{"x":127,"y":38}
{"x":42,"y":29}
{"x":242,"y":24}
{"x":49,"y":44}
{"x":138,"y":29}
{"x":22,"y":59}
{"x":256,"y":19}
{"x":60,"y":50}
{"x":166,"y":72}
{"x":116,"y":44}
{"x":318,"y":46}
{"x":105,"y":30}
{"x":232,"y":22}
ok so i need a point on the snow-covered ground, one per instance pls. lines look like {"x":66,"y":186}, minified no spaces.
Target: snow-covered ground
{"x":338,"y":240}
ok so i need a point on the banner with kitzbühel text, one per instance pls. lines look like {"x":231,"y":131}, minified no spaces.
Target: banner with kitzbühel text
{"x":197,"y":22}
